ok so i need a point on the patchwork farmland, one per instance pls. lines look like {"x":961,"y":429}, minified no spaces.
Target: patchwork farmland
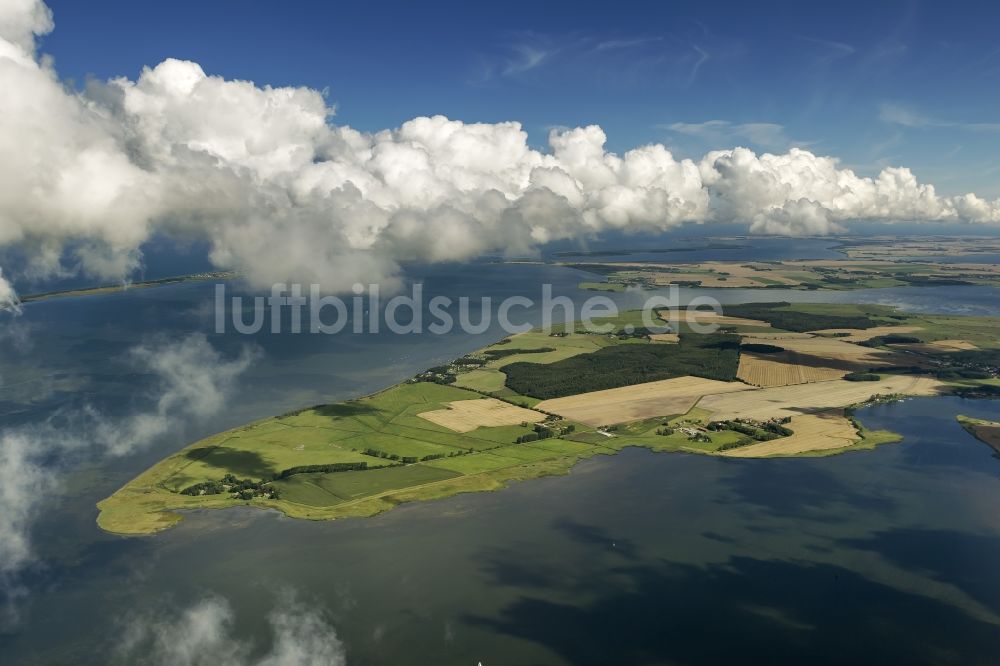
{"x":639,"y":401}
{"x":781,"y":401}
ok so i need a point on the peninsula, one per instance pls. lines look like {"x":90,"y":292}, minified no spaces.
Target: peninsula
{"x":776,"y":379}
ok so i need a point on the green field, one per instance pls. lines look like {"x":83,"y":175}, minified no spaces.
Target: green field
{"x":382,"y":430}
{"x":331,"y":489}
{"x":801,"y":318}
{"x":563,"y":347}
{"x":409,"y":458}
{"x":981,"y":331}
{"x":485,"y":380}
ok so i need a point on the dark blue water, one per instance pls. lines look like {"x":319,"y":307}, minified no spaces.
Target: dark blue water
{"x":696,"y":249}
{"x":635,"y":558}
{"x":638,"y":558}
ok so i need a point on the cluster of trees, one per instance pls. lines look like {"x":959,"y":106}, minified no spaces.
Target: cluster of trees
{"x":862,"y":377}
{"x":931,"y":281}
{"x":244,"y":489}
{"x":779,"y":316}
{"x":742,"y":441}
{"x":324,"y":469}
{"x":877,"y":399}
{"x":963,"y":373}
{"x":205,"y":488}
{"x":987,"y":391}
{"x":891,"y":339}
{"x":760,"y":432}
{"x":986,"y":360}
{"x":493,"y":354}
{"x":544,"y":431}
{"x":636,"y":332}
{"x":974,"y":363}
{"x":714,"y":356}
{"x":468,"y":361}
{"x":968,"y":364}
{"x":375,"y":453}
{"x":403,"y":460}
{"x":664,"y":431}
{"x":441,"y":374}
{"x":831,"y":277}
{"x":447,"y":374}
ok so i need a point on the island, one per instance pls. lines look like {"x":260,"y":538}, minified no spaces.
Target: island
{"x":867,"y":264}
{"x":775,"y":379}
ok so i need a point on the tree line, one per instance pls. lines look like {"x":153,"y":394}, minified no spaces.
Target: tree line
{"x":713,"y":356}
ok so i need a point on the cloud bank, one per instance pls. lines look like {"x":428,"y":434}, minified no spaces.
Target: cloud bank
{"x":193,"y":382}
{"x":282,"y":193}
{"x":203,"y":635}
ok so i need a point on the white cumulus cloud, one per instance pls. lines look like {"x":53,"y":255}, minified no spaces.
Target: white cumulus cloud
{"x":282,"y":193}
{"x":8,"y":297}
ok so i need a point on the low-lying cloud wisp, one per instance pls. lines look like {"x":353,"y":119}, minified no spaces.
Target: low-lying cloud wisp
{"x":193,"y":381}
{"x":203,"y":634}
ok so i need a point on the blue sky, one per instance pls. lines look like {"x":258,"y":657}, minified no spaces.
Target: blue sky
{"x":874,"y":84}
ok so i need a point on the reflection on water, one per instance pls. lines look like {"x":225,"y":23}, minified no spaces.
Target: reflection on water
{"x":635,"y":558}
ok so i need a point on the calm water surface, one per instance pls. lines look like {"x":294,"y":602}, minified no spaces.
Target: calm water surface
{"x":634,"y":558}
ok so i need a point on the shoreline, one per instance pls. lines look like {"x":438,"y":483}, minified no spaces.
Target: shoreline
{"x":986,"y":431}
{"x":123,"y":287}
{"x":397,"y":450}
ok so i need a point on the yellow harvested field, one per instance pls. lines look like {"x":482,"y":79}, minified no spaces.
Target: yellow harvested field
{"x":723,"y":320}
{"x":822,"y":431}
{"x":781,"y":401}
{"x":829,"y":352}
{"x":665,"y":337}
{"x":467,"y":415}
{"x":863,"y":264}
{"x":782,"y":335}
{"x":782,"y":370}
{"x":860,"y":335}
{"x":750,"y":271}
{"x":939,"y":346}
{"x":640,"y":401}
